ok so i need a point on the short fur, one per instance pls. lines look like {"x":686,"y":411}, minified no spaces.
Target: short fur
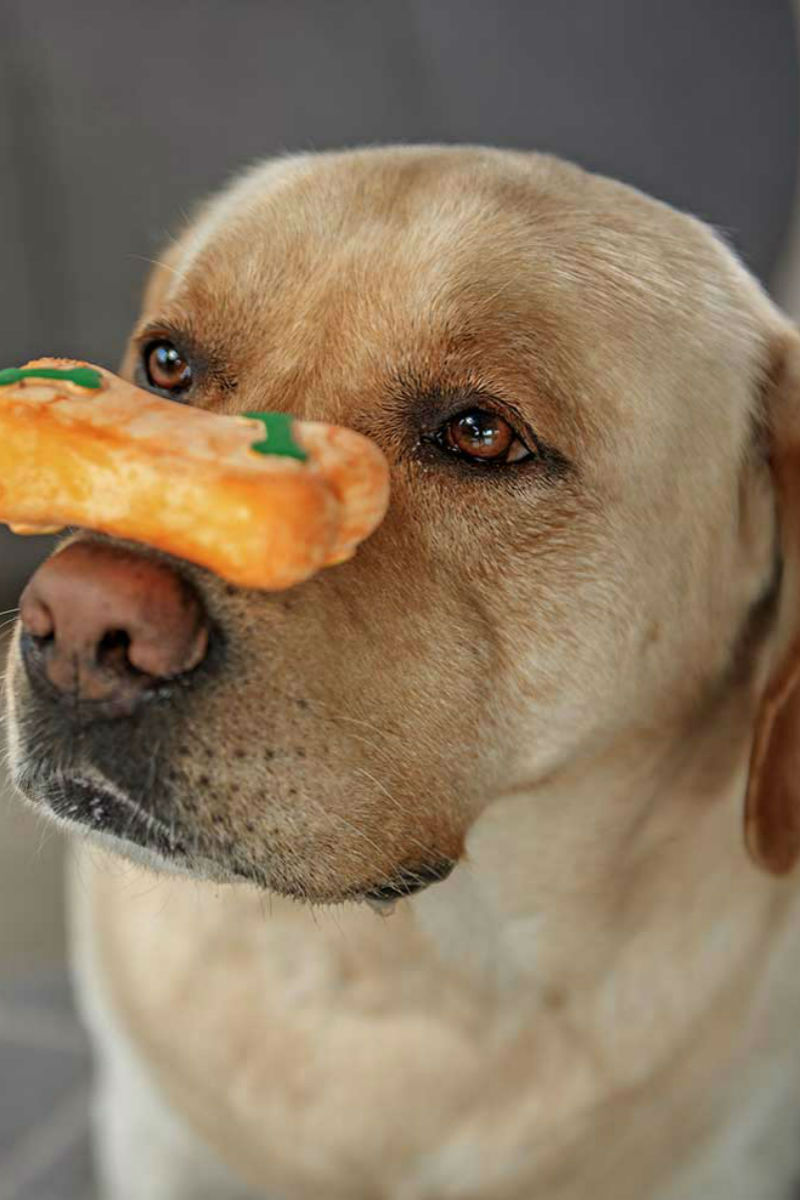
{"x":552,"y":675}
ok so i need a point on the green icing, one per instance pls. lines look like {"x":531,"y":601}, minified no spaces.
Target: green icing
{"x":278,"y":438}
{"x":85,"y":377}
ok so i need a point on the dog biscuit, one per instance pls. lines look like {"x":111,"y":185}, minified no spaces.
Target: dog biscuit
{"x":260,"y":499}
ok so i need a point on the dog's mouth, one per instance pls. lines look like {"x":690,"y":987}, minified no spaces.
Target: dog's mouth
{"x":88,"y":802}
{"x":96,"y":805}
{"x":408,"y":882}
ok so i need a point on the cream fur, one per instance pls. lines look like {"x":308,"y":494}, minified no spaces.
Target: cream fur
{"x":602,"y":999}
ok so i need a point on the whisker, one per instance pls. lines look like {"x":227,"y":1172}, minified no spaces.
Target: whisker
{"x":338,"y":717}
{"x":337,"y":817}
{"x":426,"y":849}
{"x":193,"y":736}
{"x":158,"y":262}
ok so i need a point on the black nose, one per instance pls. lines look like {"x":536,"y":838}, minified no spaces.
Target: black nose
{"x":107,"y":625}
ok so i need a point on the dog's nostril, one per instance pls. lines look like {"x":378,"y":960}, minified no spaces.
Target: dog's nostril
{"x":105,"y":624}
{"x":41,"y":641}
{"x":112,"y":650}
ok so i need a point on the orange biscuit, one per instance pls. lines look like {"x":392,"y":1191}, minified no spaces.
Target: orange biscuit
{"x":262,"y":500}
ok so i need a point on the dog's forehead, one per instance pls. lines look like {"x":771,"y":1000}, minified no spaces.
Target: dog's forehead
{"x":342,"y":269}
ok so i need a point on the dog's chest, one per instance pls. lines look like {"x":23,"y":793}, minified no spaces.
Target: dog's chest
{"x":336,"y":1055}
{"x":324,"y":1055}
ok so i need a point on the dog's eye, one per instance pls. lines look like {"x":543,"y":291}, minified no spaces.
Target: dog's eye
{"x":165,"y":368}
{"x":482,"y":437}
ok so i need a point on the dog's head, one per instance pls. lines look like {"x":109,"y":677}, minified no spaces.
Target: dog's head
{"x":583,"y":399}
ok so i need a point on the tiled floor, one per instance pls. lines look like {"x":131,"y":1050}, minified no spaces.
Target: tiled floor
{"x":44,"y":1090}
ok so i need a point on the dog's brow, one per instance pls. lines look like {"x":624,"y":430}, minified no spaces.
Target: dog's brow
{"x":182,"y":334}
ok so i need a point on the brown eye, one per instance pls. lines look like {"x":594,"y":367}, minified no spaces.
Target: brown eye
{"x":165,"y":368}
{"x":483,"y":436}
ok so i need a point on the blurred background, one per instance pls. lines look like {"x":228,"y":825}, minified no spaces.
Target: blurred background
{"x":116,"y":118}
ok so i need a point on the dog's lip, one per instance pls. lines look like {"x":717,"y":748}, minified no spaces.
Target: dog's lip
{"x":88,"y":801}
{"x":95,"y":804}
{"x":407,"y":882}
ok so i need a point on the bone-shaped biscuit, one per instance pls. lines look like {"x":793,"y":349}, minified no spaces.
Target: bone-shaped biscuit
{"x":262,"y":500}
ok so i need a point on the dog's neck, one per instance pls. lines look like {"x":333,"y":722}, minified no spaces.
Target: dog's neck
{"x":631,"y":858}
{"x":616,"y":916}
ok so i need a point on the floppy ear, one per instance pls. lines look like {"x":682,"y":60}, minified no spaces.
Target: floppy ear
{"x":772,"y":807}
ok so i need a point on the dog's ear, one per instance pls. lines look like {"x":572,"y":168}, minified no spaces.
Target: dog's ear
{"x":772,"y":808}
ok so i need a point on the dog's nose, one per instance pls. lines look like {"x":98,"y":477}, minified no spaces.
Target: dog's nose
{"x":106,"y":624}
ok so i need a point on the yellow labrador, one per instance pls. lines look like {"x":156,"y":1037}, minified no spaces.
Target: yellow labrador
{"x":549,"y":711}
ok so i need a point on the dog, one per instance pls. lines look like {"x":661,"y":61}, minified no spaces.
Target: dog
{"x":464,"y":870}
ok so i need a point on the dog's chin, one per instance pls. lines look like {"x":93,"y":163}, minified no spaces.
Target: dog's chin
{"x":109,"y":816}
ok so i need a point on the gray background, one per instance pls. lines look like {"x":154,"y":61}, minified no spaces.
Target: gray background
{"x":116,"y":117}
